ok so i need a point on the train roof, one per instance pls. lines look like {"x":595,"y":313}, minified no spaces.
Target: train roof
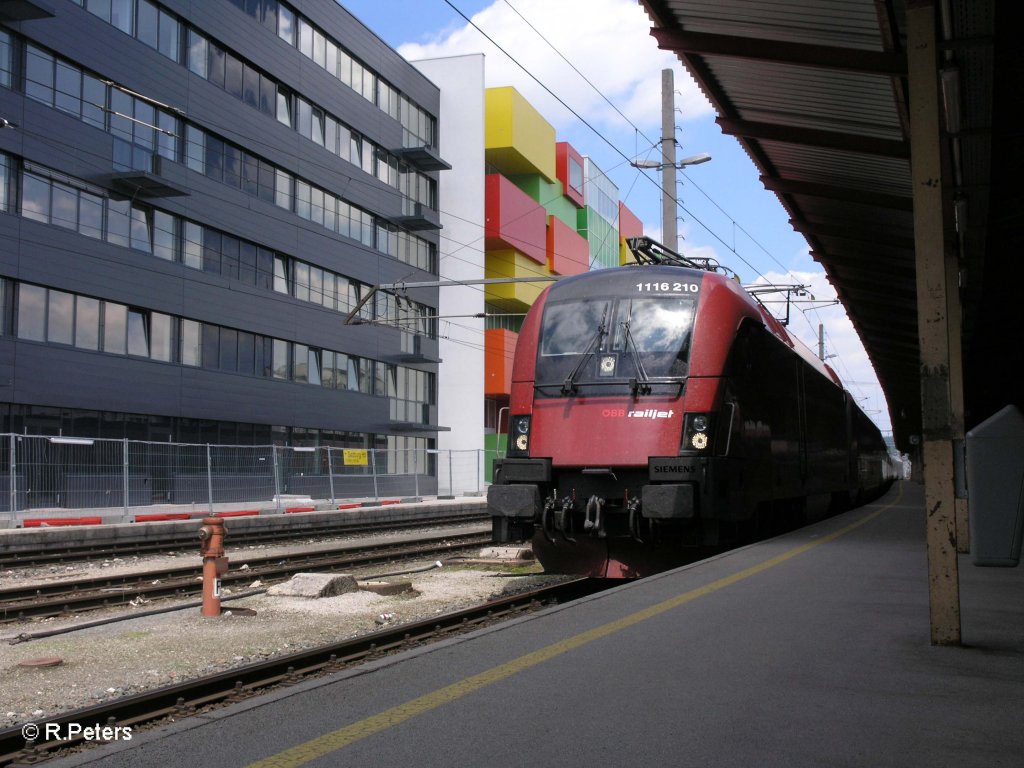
{"x":606,"y":279}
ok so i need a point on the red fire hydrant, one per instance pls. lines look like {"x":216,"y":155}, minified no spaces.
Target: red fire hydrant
{"x":211,"y":546}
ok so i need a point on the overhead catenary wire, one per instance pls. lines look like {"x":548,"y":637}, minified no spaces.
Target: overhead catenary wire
{"x":735,"y":224}
{"x":585,"y":122}
{"x":679,"y":204}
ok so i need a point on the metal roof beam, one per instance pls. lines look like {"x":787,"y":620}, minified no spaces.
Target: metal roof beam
{"x":897,"y":358}
{"x":896,"y":346}
{"x":884,"y":306}
{"x":901,"y":334}
{"x":867,"y":301}
{"x":832,"y":192}
{"x":842,"y":270}
{"x":877,"y":307}
{"x":839,"y":256}
{"x":896,"y":355}
{"x":791,"y":134}
{"x":781,"y":51}
{"x":893,"y":358}
{"x":863,"y":234}
{"x":857,"y":284}
{"x":865,"y":283}
{"x":903,"y":338}
{"x":904,"y":375}
{"x":869,"y":326}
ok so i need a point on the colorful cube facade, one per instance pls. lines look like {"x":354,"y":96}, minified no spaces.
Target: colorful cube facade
{"x":500,"y":349}
{"x":514,"y":220}
{"x":550,"y":211}
{"x":569,"y":167}
{"x":516,"y":138}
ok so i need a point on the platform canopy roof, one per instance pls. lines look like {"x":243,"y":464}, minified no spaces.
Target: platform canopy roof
{"x":817,"y":93}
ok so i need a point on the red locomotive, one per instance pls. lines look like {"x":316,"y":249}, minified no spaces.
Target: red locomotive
{"x":659,"y":407}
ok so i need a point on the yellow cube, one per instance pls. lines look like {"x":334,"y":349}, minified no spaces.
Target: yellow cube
{"x":516,"y":138}
{"x":513,"y":297}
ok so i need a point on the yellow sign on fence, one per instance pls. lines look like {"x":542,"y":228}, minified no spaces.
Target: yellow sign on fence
{"x":356,"y":457}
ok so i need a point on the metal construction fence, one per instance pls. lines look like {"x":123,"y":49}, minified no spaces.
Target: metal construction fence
{"x":64,"y":475}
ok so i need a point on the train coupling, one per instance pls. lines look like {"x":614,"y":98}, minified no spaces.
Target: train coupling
{"x":594,"y":521}
{"x":563,"y":520}
{"x":633,"y":511}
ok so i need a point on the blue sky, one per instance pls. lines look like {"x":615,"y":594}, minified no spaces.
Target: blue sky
{"x":614,"y":69}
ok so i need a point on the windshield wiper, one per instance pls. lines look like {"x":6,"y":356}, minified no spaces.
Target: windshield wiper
{"x":642,"y":382}
{"x":569,"y":385}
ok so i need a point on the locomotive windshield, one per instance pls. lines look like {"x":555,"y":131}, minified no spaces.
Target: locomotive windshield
{"x":644,"y":340}
{"x":570,"y":327}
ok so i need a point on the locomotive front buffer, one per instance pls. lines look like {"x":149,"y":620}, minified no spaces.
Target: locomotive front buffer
{"x":597,"y":502}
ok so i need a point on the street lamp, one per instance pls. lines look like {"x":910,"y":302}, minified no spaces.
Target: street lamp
{"x":668,"y":187}
{"x":703,"y":157}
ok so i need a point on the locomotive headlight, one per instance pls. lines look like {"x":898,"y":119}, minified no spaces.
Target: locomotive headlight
{"x":696,"y":432}
{"x":520,"y":436}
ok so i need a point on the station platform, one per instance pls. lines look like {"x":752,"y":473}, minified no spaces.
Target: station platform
{"x":809,"y":649}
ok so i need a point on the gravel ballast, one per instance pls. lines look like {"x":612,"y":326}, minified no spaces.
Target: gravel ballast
{"x":144,"y":652}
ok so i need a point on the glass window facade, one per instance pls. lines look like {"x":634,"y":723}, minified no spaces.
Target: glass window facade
{"x":205,"y":284}
{"x":87,"y":323}
{"x":226,"y":69}
{"x":143,"y":132}
{"x":169,"y":237}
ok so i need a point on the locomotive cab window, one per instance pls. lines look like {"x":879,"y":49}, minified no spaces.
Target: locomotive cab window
{"x":613,"y":340}
{"x":659,"y":329}
{"x":572,"y":326}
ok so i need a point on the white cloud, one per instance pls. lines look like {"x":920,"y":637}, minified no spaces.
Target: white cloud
{"x":608,"y":41}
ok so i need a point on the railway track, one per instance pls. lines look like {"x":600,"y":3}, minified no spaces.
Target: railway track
{"x":186,"y":540}
{"x":56,"y":598}
{"x":182,"y":700}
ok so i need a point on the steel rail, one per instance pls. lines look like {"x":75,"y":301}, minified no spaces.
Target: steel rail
{"x":60,"y":597}
{"x":181,"y":700}
{"x":178,"y":540}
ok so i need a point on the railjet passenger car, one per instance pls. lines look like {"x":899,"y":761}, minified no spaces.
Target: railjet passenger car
{"x":657,"y":408}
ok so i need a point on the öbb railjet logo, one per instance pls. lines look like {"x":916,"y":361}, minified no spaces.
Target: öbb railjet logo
{"x":647,"y":413}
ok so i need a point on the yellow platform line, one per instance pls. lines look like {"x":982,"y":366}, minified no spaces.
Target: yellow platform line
{"x":335,"y":740}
